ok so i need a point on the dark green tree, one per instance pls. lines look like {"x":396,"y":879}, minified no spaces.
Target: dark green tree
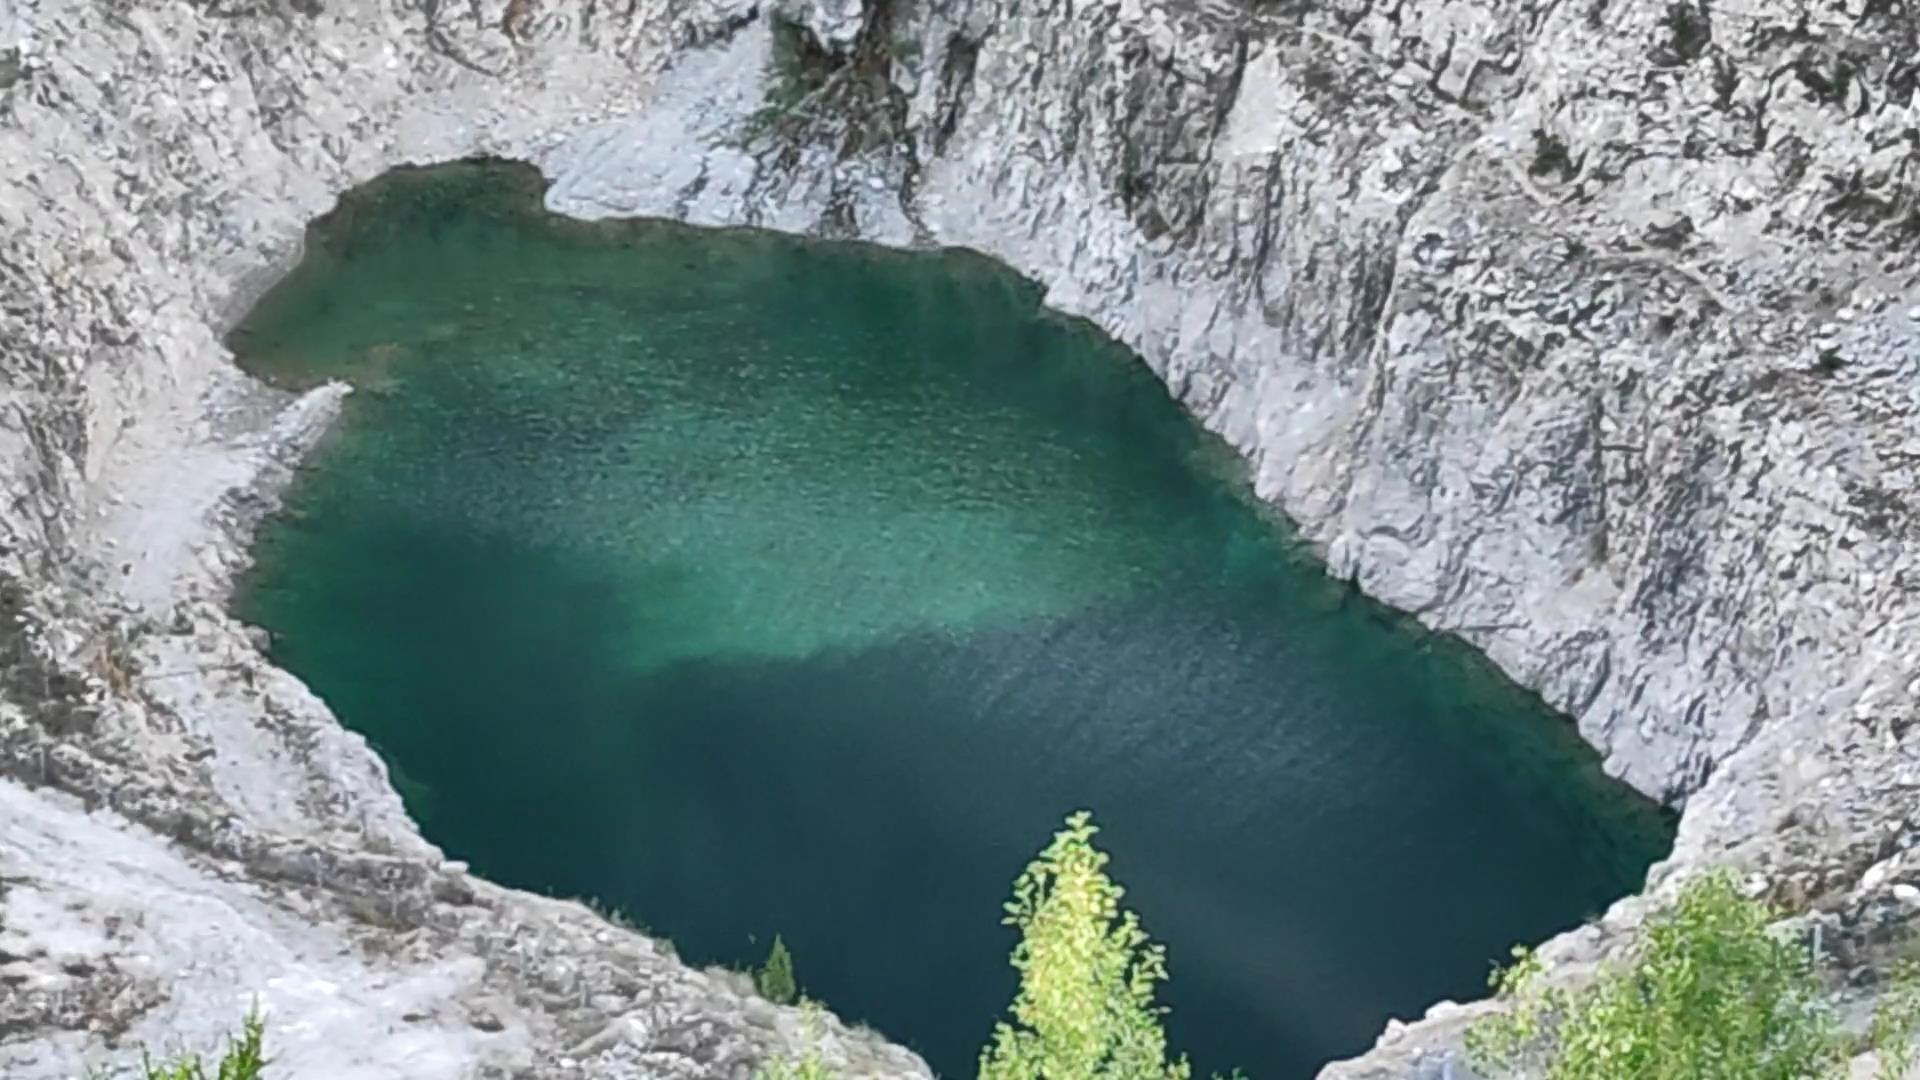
{"x":775,"y":980}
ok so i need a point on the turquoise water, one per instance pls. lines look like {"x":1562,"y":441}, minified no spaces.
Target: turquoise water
{"x":752,"y":585}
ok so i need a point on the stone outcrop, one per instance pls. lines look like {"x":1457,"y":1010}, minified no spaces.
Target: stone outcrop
{"x":1587,"y":331}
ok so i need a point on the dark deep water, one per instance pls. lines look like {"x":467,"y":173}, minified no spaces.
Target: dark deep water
{"x":755,"y":585}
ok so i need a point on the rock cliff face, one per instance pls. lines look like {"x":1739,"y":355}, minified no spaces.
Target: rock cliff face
{"x":1588,"y":331}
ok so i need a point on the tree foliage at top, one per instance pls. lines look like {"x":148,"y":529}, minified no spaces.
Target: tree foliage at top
{"x":1085,"y":1008}
{"x":1709,"y":994}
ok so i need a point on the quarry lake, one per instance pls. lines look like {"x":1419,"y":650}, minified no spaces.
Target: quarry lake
{"x":750,"y":585}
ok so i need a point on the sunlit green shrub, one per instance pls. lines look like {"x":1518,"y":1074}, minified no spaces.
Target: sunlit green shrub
{"x":1085,"y":1007}
{"x":808,"y":1066}
{"x":1710,"y":993}
{"x":244,"y":1059}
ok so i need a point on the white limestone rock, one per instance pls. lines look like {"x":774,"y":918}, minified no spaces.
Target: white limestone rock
{"x":1587,"y":340}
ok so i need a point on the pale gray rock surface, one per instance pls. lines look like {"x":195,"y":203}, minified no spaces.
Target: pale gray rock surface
{"x":1589,"y":332}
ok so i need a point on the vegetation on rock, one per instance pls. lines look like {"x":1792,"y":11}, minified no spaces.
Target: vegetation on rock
{"x":775,"y":979}
{"x":812,"y":88}
{"x":808,"y":1066}
{"x":244,"y":1059}
{"x":1713,"y":991}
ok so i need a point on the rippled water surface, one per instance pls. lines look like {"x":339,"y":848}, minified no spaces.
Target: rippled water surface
{"x":754,"y":585}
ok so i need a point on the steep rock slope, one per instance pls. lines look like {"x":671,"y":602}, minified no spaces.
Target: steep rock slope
{"x":183,"y":829}
{"x":1584,"y":330}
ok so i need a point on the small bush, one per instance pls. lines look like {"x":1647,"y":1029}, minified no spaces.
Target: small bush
{"x":1894,"y":1024}
{"x":245,"y":1058}
{"x":808,"y":1066}
{"x":1709,"y":994}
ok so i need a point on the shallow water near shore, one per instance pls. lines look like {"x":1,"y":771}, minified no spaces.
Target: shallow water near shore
{"x":752,"y":585}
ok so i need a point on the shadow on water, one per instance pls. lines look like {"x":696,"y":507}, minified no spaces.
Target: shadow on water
{"x":755,"y":585}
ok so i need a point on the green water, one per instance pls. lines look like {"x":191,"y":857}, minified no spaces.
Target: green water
{"x":753,"y":585}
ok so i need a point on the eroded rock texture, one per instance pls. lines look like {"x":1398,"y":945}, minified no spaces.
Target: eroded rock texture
{"x":1587,"y":330}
